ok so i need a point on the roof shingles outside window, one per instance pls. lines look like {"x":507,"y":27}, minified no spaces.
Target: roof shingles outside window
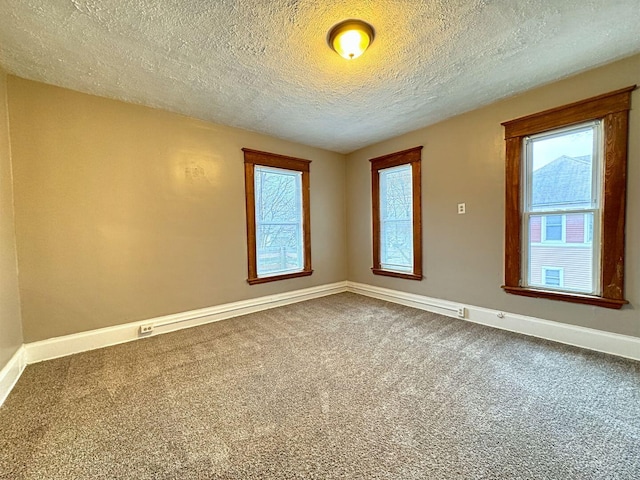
{"x":573,"y":173}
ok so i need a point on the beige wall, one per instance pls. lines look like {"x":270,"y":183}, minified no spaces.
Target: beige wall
{"x":125,"y":213}
{"x":10,"y":322}
{"x":463,"y":161}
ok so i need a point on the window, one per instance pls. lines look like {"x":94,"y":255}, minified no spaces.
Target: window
{"x":561,"y":187}
{"x":553,"y":228}
{"x":565,"y":201}
{"x":397,"y":226}
{"x":553,"y":277}
{"x":277,"y":202}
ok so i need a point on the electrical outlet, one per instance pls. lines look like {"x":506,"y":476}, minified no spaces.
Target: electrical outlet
{"x":462,"y":208}
{"x":146,"y":329}
{"x":462,"y":312}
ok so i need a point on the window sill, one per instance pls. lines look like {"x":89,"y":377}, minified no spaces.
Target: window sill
{"x":285,"y":276}
{"x":567,"y":297}
{"x":389,"y":273}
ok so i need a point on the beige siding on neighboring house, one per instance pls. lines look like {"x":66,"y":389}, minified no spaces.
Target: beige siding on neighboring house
{"x":575,"y":261}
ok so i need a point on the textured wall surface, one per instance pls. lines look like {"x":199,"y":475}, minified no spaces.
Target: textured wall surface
{"x":265,"y":65}
{"x":125,"y":212}
{"x":463,"y":161}
{"x":10,"y":321}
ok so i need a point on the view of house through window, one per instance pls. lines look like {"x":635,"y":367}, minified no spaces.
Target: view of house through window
{"x":566,"y":176}
{"x":552,"y":277}
{"x":562,"y":203}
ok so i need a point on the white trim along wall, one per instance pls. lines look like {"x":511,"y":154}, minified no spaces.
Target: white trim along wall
{"x":589,"y":338}
{"x":11,"y":372}
{"x":104,"y":337}
{"x":615,"y":344}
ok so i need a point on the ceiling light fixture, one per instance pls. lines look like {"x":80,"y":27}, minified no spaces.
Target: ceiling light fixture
{"x":350,"y":38}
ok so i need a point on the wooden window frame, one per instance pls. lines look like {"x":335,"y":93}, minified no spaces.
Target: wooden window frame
{"x":613,"y":110}
{"x":413,"y":157}
{"x":251,"y":159}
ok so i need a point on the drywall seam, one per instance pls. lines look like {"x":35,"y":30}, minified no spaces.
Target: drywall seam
{"x":13,"y":206}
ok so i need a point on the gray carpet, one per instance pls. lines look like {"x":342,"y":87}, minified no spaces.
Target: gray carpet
{"x":340,"y":387}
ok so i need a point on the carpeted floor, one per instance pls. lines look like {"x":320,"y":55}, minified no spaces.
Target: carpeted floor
{"x":342,"y":387}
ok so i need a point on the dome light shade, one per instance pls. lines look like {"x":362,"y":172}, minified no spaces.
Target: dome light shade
{"x":351,"y":38}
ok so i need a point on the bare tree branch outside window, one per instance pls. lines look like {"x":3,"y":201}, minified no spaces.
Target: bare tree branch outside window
{"x":396,"y":216}
{"x":278,"y":220}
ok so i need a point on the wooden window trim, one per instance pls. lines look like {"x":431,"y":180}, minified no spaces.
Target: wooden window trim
{"x":251,"y":159}
{"x":411,"y":156}
{"x":613,"y":110}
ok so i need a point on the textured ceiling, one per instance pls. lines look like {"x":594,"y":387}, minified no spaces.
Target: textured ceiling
{"x":264,"y":65}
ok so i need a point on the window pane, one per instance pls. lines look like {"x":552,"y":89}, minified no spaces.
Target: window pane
{"x":561,"y":170}
{"x":553,"y":228}
{"x":396,"y":218}
{"x":574,"y":259}
{"x":278,"y":199}
{"x":552,"y":277}
{"x":562,"y":201}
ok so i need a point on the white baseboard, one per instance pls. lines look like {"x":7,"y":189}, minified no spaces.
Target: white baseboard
{"x":104,"y":337}
{"x":11,"y":372}
{"x":589,"y":338}
{"x":435,"y":305}
{"x":621,"y":345}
